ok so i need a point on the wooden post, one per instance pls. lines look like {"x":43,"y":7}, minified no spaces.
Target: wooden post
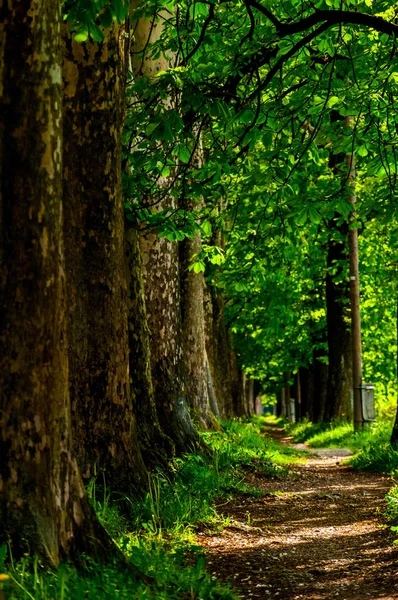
{"x":354,"y":294}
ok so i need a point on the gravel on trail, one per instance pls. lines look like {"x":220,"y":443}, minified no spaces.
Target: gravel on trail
{"x":318,"y":534}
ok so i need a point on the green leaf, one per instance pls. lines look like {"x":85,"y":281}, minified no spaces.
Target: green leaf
{"x":199,"y":267}
{"x":96,"y":33}
{"x":106,"y":18}
{"x":183,"y":154}
{"x":333,"y":100}
{"x":206,"y":228}
{"x":82,"y":34}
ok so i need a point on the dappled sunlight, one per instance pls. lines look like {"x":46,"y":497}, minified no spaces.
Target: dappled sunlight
{"x":316,"y":534}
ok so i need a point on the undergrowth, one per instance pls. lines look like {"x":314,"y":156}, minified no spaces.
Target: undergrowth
{"x":158,"y":533}
{"x":392,"y":508}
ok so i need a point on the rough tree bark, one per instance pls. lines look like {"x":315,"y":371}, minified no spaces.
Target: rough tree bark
{"x":156,"y":446}
{"x":43,"y":506}
{"x":161,"y":271}
{"x":193,"y":325}
{"x":105,"y":436}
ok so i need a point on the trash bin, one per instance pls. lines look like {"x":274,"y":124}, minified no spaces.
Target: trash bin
{"x":368,"y":402}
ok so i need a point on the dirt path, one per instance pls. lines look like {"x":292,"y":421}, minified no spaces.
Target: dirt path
{"x":320,"y":536}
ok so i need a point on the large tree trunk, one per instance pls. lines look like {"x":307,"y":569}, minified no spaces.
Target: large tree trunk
{"x":193,"y":325}
{"x":162,"y":297}
{"x":161,"y":272}
{"x":43,"y":506}
{"x":339,"y":400}
{"x":156,"y":446}
{"x":104,"y":428}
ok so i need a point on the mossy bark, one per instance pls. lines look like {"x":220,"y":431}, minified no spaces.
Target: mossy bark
{"x":105,"y":437}
{"x":156,"y":446}
{"x":43,"y":505}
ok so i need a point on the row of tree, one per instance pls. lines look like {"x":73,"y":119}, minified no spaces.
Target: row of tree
{"x":113,"y":347}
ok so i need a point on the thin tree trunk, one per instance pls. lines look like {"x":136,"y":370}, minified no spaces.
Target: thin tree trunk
{"x":354,"y":295}
{"x":394,"y":434}
{"x":304,"y":392}
{"x":319,"y":389}
{"x":286,"y":377}
{"x":238,"y":402}
{"x":105,"y":436}
{"x":43,"y":505}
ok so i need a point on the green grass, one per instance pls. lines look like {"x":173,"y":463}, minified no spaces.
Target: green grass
{"x":158,"y":535}
{"x":371,"y":447}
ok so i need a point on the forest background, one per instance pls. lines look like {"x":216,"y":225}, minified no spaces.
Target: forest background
{"x":182,"y":189}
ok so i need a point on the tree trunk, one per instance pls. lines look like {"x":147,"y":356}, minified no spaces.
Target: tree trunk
{"x":217,"y":349}
{"x":156,"y":446}
{"x":193,"y":325}
{"x":238,"y":401}
{"x":354,"y":292}
{"x":394,"y":434}
{"x":320,"y":387}
{"x":339,"y":399}
{"x":304,"y":392}
{"x":162,"y":297}
{"x":161,"y":273}
{"x":43,"y":506}
{"x":297,"y":396}
{"x":286,"y":377}
{"x":104,"y":428}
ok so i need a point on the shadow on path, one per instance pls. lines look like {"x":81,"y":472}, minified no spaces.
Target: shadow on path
{"x":316,"y":535}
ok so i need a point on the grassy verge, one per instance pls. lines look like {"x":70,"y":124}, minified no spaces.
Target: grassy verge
{"x":371,"y":446}
{"x":158,"y":535}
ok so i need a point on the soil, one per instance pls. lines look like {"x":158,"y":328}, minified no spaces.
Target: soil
{"x":318,"y":534}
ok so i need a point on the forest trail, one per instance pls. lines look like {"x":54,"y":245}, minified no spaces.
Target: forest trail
{"x":316,"y":535}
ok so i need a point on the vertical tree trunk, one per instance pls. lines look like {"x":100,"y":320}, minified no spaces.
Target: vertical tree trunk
{"x":319,"y":388}
{"x":304,"y":392}
{"x":394,"y":434}
{"x":43,"y":506}
{"x":298,"y":396}
{"x":286,"y":377}
{"x":161,"y":271}
{"x":217,"y":349}
{"x":104,"y":428}
{"x":156,"y":446}
{"x":162,"y":297}
{"x":354,"y":294}
{"x":193,"y":325}
{"x":338,"y":402}
{"x":238,"y":401}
